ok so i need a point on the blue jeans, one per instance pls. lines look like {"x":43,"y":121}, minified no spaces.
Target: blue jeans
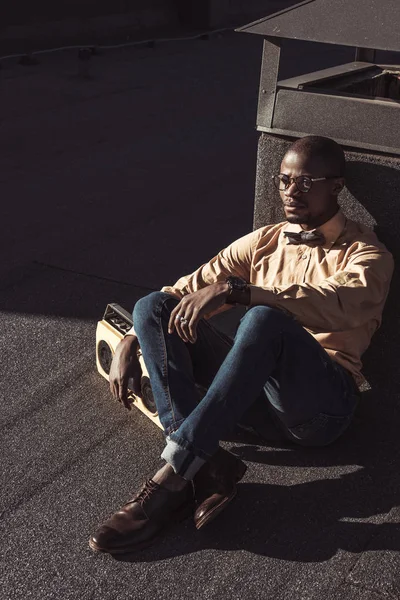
{"x":274,"y":376}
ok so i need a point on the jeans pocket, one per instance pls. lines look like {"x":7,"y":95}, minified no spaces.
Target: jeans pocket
{"x":321,"y":430}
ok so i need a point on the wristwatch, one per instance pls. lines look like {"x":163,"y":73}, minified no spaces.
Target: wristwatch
{"x":239,"y":291}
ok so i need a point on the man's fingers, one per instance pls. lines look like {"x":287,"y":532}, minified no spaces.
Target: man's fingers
{"x":175,"y":321}
{"x":193,"y":329}
{"x":171,"y":324}
{"x":174,"y":313}
{"x":181,"y":331}
{"x":123,"y":394}
{"x":114,"y":389}
{"x":192,"y":325}
{"x":184,"y":329}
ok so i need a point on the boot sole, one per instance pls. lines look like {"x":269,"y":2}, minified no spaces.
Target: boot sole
{"x":208,"y":517}
{"x":123,"y":550}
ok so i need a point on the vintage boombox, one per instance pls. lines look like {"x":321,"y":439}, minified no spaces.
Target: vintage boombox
{"x":111,"y":329}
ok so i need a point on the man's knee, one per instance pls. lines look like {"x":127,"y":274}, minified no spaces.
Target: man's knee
{"x":265,"y":315}
{"x":150,"y":306}
{"x":262,"y":325}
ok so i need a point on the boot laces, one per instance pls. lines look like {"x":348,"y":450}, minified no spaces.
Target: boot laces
{"x":147,"y":490}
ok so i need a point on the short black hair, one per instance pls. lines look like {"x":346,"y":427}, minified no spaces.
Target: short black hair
{"x":326,"y":149}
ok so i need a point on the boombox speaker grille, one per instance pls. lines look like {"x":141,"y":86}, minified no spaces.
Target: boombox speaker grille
{"x":147,"y":395}
{"x":105,"y":355}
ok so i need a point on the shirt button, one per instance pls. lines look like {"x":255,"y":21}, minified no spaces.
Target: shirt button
{"x":304,"y":256}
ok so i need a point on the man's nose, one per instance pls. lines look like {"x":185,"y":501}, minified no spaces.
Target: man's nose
{"x":292,"y":190}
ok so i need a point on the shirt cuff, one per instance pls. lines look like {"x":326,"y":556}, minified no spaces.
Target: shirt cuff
{"x":260,"y":295}
{"x":173,"y":291}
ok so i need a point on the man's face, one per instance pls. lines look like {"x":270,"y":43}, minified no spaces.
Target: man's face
{"x":313,"y":208}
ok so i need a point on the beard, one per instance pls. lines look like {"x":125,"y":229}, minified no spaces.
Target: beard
{"x":298,"y":220}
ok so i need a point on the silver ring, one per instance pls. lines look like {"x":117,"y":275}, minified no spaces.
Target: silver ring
{"x":183,"y":321}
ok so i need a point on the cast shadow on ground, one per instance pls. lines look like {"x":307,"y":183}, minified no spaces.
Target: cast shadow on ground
{"x":337,"y":499}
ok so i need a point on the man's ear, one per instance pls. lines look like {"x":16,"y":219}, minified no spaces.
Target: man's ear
{"x":338,"y":185}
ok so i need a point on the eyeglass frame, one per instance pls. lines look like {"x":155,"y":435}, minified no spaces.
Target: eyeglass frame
{"x":293,"y":180}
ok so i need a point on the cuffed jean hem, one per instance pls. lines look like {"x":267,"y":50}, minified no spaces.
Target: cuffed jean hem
{"x":170,"y":430}
{"x":183,"y":461}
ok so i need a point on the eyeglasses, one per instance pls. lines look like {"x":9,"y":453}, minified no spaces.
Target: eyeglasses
{"x":303,"y":183}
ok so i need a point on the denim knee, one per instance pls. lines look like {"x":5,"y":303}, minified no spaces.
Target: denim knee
{"x":147,"y":307}
{"x":261,"y":322}
{"x":264,"y":314}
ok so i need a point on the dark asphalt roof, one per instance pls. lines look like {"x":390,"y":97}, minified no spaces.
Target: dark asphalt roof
{"x":307,"y":524}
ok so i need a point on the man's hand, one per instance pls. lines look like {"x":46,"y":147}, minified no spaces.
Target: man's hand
{"x":125,"y":364}
{"x":186,"y":315}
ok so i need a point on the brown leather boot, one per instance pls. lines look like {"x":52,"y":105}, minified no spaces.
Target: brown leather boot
{"x":215,"y":485}
{"x":141,"y":519}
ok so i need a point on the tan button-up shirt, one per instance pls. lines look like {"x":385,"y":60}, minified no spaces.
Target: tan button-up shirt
{"x":336,"y":291}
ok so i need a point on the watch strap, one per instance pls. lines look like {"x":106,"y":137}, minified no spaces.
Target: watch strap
{"x":239,"y":291}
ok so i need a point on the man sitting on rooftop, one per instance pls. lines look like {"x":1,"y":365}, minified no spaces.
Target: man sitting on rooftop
{"x":315,"y":286}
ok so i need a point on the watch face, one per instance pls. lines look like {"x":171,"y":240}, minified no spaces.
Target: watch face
{"x":236,"y":283}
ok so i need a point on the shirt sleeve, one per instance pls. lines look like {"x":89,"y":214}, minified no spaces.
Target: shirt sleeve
{"x":235,"y":260}
{"x":349,"y":298}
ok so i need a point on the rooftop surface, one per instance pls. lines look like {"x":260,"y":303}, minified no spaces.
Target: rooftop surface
{"x":114,"y":182}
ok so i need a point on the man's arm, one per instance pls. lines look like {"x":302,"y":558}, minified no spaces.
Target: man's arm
{"x":235,"y":260}
{"x":343,"y":301}
{"x":203,"y":293}
{"x":125,"y":364}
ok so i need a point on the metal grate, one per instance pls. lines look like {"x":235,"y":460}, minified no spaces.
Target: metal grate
{"x":118,"y":317}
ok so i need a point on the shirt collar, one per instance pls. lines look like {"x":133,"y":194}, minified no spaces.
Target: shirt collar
{"x":331,"y":229}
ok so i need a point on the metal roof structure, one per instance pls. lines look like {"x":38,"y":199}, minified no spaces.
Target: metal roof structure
{"x":364,"y":24}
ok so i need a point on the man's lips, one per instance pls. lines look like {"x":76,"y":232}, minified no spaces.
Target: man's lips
{"x":294,"y":205}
